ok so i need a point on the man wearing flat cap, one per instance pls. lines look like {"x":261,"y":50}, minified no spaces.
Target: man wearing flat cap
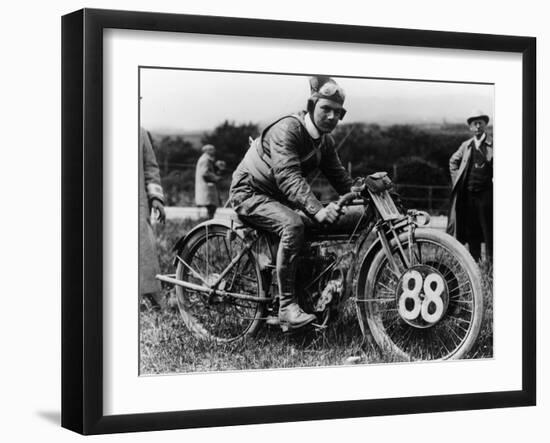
{"x":471,"y":168}
{"x":269,"y":189}
{"x":206,"y":179}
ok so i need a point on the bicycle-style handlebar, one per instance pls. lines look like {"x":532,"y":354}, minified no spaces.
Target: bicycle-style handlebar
{"x":346,"y":199}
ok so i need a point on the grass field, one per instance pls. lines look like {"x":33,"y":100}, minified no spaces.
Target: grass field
{"x":166,"y":346}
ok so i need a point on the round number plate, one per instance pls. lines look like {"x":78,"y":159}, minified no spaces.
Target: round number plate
{"x":422,"y":296}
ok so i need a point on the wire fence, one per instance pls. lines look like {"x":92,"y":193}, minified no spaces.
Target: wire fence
{"x":431,"y":198}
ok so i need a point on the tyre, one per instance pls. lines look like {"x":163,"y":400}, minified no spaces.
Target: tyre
{"x":201,"y":261}
{"x":428,"y":306}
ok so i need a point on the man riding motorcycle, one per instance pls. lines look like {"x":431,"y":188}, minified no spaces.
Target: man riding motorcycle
{"x":270,"y":192}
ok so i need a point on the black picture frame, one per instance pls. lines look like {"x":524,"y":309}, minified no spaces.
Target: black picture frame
{"x":82,"y":218}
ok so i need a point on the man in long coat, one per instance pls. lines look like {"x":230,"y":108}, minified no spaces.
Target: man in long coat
{"x":151,"y":198}
{"x":471,"y":167}
{"x":206,"y":179}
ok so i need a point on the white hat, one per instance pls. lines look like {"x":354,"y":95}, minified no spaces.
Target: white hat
{"x":477,"y":114}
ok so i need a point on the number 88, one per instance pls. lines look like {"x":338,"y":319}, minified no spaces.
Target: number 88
{"x":420,"y":306}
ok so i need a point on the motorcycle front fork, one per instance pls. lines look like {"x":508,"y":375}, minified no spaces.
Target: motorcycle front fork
{"x":387,"y":232}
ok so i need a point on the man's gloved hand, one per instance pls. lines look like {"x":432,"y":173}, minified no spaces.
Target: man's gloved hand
{"x":158,"y":209}
{"x":329,"y":214}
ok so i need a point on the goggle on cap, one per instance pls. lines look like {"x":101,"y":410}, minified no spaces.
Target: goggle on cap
{"x":325,"y":87}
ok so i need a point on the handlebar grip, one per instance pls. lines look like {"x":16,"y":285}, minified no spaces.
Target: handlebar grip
{"x":346,"y":198}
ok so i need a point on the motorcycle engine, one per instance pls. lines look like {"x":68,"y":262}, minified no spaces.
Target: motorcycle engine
{"x":320,"y":280}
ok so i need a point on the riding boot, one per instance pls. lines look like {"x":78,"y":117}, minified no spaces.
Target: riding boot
{"x":291,"y":316}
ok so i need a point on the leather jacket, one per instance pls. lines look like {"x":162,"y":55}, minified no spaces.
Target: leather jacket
{"x":278,"y":162}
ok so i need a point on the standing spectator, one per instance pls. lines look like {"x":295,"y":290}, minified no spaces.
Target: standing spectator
{"x":206,"y":179}
{"x":471,"y":168}
{"x":151,"y":199}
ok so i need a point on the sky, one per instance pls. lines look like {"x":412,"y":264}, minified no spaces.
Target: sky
{"x":178,"y":100}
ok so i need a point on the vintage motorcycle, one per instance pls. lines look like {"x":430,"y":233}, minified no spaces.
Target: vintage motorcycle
{"x":416,"y":288}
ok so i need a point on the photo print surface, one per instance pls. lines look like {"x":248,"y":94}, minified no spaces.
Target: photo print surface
{"x":307,"y":220}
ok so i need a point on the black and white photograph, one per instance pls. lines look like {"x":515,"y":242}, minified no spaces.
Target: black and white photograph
{"x":299,"y":220}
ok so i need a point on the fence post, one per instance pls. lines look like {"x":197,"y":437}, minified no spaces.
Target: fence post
{"x":430,"y":199}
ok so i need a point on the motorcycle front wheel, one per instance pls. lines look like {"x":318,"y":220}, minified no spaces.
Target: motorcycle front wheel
{"x":426,"y":303}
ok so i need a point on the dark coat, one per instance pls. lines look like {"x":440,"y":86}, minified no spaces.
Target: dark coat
{"x":206,"y":179}
{"x":458,"y":167}
{"x":149,"y":189}
{"x":278,"y":162}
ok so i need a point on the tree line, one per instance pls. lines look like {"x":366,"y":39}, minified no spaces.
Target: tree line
{"x":411,"y":154}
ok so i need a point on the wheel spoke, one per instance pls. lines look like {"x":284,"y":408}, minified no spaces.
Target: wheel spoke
{"x":454,"y":334}
{"x":390,"y":290}
{"x":460,"y":286}
{"x":442,"y":344}
{"x":378,"y":300}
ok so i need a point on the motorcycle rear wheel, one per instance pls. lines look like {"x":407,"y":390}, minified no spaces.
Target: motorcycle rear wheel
{"x":454,"y":333}
{"x":215,"y":317}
